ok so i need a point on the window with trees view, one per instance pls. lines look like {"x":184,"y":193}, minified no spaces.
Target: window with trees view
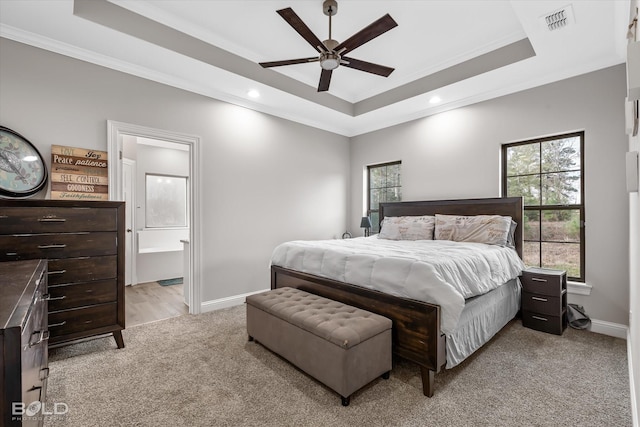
{"x":548,"y":173}
{"x":383,"y":183}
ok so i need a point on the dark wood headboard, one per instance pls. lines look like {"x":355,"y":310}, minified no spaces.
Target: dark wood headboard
{"x":507,"y":206}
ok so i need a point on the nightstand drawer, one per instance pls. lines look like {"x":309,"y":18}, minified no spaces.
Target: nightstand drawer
{"x":544,"y":282}
{"x":543,"y":304}
{"x":545,"y":323}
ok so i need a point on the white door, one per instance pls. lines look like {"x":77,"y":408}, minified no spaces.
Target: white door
{"x":129,"y":185}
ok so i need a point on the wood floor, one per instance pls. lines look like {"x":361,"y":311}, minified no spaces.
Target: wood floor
{"x":148,"y":302}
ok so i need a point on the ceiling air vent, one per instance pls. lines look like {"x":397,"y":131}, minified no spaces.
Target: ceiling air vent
{"x":558,"y":19}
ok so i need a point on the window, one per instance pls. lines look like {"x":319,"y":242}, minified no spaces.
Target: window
{"x":549,"y":174}
{"x":166,"y":201}
{"x":383,"y":183}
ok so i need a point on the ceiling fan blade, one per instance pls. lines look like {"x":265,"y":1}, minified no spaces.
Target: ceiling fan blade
{"x":370,"y":32}
{"x":289,"y":62}
{"x":369,"y":67}
{"x":294,"y":20}
{"x":325,"y":79}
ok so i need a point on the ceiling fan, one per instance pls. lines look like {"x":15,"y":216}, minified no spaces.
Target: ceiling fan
{"x":331,"y":52}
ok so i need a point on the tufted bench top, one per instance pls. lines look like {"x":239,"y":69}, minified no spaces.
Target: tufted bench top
{"x":340,"y":324}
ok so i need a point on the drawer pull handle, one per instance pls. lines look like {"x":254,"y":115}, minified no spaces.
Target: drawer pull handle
{"x":53,"y":325}
{"x":57,"y":272}
{"x":536,"y":279}
{"x":51,"y":219}
{"x":52,"y":246}
{"x":539,"y":318}
{"x":539,"y":299}
{"x":43,"y":336}
{"x":57,"y":298}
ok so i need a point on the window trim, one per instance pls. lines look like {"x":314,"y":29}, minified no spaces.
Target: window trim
{"x":540,"y":208}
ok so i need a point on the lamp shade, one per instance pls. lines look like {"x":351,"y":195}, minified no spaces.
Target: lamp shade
{"x":365,"y":222}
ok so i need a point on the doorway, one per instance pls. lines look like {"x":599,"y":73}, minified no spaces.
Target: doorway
{"x":117,"y":134}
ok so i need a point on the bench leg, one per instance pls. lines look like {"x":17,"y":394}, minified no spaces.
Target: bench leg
{"x":427,"y":380}
{"x":386,"y":375}
{"x":250,"y":338}
{"x":346,"y":400}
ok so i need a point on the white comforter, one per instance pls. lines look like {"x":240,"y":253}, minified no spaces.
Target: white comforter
{"x":435,"y":271}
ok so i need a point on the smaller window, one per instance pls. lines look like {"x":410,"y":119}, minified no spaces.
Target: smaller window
{"x":166,"y":201}
{"x":383,"y":184}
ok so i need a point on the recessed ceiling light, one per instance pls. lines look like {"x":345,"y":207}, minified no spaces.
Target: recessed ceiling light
{"x":253,"y":93}
{"x":435,"y":99}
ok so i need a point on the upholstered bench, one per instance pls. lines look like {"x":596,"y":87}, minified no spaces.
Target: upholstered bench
{"x":341,"y":346}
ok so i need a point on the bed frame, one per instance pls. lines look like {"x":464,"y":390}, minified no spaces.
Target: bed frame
{"x":416,"y":325}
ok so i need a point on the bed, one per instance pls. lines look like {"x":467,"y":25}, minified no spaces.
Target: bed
{"x":417,"y":325}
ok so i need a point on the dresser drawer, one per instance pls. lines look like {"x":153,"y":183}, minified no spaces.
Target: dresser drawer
{"x":82,"y":319}
{"x":73,"y":270}
{"x":66,"y":245}
{"x":63,"y":297}
{"x":543,"y":304}
{"x":56,"y":219}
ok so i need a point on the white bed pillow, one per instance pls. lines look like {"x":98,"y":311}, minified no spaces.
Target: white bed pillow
{"x":489,"y":229}
{"x":407,"y":227}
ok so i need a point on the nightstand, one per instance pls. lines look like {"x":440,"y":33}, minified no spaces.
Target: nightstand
{"x":544,"y":300}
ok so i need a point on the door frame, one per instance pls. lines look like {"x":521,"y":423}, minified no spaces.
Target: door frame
{"x":115,"y":132}
{"x":132,"y":234}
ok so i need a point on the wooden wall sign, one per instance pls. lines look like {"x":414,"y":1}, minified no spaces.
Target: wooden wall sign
{"x":79,"y":174}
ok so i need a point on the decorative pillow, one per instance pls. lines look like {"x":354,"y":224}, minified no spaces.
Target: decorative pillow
{"x":489,"y":229}
{"x":511,"y":240}
{"x":407,"y":228}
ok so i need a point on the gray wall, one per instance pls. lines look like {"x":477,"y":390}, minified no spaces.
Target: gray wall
{"x":456,"y":154}
{"x":265,"y":180}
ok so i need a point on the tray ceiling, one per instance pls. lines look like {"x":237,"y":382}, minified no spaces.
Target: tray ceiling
{"x":460,"y":51}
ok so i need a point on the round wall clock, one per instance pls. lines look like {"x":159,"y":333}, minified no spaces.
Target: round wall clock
{"x":23,"y":172}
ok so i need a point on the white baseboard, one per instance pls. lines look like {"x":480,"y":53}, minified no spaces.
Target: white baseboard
{"x":227,"y":302}
{"x":632,"y":386}
{"x":608,"y":328}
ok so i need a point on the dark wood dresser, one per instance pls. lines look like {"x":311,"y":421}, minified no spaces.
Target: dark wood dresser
{"x":544,"y":300}
{"x":23,"y":342}
{"x":84,"y":243}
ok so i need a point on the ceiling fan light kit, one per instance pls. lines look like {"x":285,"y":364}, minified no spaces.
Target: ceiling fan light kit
{"x":331,"y":52}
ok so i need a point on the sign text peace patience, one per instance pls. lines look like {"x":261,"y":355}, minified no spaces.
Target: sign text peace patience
{"x":79,"y":174}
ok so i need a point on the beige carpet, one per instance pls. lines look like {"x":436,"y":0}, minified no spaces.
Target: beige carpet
{"x":202,"y":371}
